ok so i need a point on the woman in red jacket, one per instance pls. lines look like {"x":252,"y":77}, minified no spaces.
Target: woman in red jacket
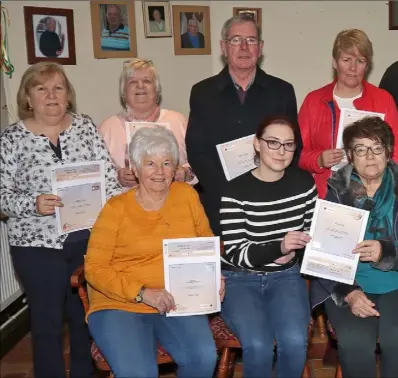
{"x":320,"y":112}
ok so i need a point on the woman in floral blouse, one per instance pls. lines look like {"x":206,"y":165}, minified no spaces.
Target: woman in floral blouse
{"x":49,"y":132}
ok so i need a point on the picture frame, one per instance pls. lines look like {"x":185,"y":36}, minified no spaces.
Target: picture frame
{"x":196,"y":40}
{"x":50,"y":35}
{"x":393,"y":15}
{"x":157,"y":19}
{"x":256,"y":13}
{"x":113,"y":28}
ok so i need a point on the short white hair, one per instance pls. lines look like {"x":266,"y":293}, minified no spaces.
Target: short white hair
{"x":193,"y":21}
{"x":153,"y":141}
{"x":129,"y":69}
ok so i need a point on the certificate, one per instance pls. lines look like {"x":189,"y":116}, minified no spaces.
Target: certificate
{"x":192,"y":271}
{"x":347,"y":117}
{"x":335,"y":231}
{"x":237,"y":156}
{"x":81,"y":187}
{"x":132,"y":127}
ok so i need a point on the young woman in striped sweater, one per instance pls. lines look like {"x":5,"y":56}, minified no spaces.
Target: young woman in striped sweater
{"x":264,"y":215}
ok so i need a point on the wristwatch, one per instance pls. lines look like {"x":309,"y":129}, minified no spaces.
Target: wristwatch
{"x":139,"y":298}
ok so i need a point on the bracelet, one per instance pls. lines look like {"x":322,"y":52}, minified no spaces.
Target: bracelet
{"x":190,"y":175}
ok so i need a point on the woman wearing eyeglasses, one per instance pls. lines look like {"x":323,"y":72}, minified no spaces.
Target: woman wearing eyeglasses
{"x":265,"y":215}
{"x":367,"y":310}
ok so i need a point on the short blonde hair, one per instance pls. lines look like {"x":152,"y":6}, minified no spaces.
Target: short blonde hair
{"x":348,"y":40}
{"x":129,"y":69}
{"x":38,"y":74}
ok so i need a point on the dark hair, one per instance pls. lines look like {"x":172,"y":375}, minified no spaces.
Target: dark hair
{"x":373,"y":128}
{"x":274,"y":120}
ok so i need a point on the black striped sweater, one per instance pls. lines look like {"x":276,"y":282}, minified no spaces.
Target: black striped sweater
{"x":256,"y":215}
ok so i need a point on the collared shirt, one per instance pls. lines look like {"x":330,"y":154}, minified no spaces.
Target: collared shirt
{"x":25,"y":170}
{"x":118,"y":39}
{"x":242,"y":92}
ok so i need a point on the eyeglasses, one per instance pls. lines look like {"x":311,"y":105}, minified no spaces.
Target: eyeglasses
{"x":275,"y":145}
{"x":237,"y":40}
{"x":360,"y":150}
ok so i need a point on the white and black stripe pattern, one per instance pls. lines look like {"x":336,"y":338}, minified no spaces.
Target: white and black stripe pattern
{"x":256,"y":215}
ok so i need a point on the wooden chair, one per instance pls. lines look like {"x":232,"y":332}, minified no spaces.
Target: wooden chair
{"x":321,"y":324}
{"x":78,"y":281}
{"x":227,"y":343}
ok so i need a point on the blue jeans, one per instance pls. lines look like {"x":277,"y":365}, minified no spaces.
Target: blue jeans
{"x":128,"y":341}
{"x":261,"y":308}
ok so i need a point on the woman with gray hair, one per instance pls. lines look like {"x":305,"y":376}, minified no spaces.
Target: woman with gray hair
{"x":124,"y":267}
{"x":140,"y":93}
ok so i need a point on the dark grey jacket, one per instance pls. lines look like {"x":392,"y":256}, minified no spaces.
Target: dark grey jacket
{"x":340,"y":191}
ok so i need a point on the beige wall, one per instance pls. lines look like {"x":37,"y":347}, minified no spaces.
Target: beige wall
{"x":298,"y":37}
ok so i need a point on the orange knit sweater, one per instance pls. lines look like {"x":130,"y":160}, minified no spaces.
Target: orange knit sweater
{"x":125,"y":249}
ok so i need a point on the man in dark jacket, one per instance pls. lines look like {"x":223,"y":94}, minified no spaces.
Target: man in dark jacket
{"x":231,"y":105}
{"x":389,"y":81}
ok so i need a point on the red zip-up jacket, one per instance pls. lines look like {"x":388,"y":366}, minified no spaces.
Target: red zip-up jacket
{"x":319,"y":121}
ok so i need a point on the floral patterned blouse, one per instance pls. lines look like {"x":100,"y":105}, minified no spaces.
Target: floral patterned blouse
{"x":25,"y":161}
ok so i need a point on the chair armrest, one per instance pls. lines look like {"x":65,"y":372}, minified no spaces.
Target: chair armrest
{"x":78,"y":279}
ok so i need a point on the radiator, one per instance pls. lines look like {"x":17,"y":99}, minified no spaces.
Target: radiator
{"x":10,"y":287}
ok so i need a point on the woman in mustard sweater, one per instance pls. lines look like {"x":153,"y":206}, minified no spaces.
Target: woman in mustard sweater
{"x":124,"y":267}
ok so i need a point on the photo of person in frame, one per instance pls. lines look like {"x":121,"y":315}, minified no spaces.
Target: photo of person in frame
{"x":157,"y":23}
{"x":192,"y":38}
{"x":50,"y":37}
{"x":249,"y":13}
{"x":115,"y":33}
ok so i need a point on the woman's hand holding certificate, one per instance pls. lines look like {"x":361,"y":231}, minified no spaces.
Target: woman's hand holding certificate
{"x":369,"y":250}
{"x":294,"y":240}
{"x":46,"y":204}
{"x":163,"y":301}
{"x":329,"y":158}
{"x":160,"y":299}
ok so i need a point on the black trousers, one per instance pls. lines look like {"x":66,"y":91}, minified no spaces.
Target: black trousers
{"x":357,"y":337}
{"x":45,"y":275}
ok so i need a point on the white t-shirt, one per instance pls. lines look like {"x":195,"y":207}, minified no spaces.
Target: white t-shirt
{"x":346,"y":102}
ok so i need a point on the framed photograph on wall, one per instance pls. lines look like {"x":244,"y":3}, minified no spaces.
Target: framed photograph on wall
{"x":191,"y":26}
{"x":251,"y":12}
{"x":113,"y":27}
{"x":157,"y":19}
{"x":49,"y":35}
{"x":393,"y":15}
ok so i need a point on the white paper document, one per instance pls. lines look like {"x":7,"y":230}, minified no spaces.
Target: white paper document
{"x":192,"y":273}
{"x":237,"y":156}
{"x":335,"y":231}
{"x":81,"y":187}
{"x":347,"y":117}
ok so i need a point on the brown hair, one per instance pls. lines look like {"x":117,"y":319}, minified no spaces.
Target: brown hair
{"x":348,"y":40}
{"x":373,"y":128}
{"x":36,"y":75}
{"x":276,"y":120}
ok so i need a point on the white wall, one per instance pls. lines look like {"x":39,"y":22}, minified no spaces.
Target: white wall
{"x":298,"y":38}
